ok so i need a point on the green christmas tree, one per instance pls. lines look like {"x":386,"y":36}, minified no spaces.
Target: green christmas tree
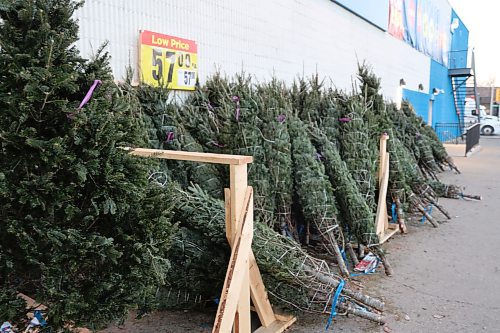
{"x":82,"y":230}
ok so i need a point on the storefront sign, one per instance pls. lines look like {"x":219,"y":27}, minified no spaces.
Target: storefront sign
{"x":168,"y":61}
{"x":424,"y":24}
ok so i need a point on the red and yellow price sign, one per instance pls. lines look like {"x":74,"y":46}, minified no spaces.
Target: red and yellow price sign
{"x":168,"y":61}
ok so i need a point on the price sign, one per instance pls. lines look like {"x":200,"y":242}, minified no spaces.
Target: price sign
{"x":168,"y":61}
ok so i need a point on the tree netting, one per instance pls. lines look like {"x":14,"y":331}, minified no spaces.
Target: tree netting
{"x":293,"y":278}
{"x":314,"y":176}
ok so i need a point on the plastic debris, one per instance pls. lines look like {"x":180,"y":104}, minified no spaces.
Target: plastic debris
{"x":368,"y":264}
{"x":6,"y":327}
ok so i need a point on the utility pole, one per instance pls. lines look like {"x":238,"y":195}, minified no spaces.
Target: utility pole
{"x":491,"y":98}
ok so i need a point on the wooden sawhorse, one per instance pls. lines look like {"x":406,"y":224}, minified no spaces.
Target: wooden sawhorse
{"x":243,"y":280}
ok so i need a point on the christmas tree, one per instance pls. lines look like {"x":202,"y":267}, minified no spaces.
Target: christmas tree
{"x":82,"y":230}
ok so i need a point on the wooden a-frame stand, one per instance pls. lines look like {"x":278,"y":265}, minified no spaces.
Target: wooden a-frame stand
{"x":383,"y":229}
{"x":243,"y":280}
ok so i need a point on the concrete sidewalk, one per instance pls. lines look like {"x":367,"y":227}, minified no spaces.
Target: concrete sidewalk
{"x":448,"y":279}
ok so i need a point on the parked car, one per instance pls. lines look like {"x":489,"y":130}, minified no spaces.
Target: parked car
{"x":489,"y":124}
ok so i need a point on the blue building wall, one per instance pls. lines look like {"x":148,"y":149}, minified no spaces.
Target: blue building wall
{"x":419,"y":100}
{"x":459,"y":44}
{"x":444,"y":110}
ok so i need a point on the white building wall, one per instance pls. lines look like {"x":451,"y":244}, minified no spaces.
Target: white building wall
{"x":284,"y":38}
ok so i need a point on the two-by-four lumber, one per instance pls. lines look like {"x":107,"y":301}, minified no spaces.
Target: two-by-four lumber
{"x":381,"y":222}
{"x":237,"y":276}
{"x":382,"y":154}
{"x":238,"y":180}
{"x":190,"y":156}
{"x":258,"y":292}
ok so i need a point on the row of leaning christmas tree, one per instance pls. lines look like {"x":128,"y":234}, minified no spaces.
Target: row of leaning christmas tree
{"x":92,"y":232}
{"x":315,"y":171}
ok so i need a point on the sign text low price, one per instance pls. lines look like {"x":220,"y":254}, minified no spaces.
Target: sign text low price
{"x":168,"y":61}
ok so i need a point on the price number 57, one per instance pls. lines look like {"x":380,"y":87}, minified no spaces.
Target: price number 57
{"x":184,"y":60}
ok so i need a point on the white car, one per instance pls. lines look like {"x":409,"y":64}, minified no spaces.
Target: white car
{"x":490,"y":125}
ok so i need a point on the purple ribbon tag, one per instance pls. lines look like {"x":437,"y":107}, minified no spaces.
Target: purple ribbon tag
{"x":210,"y":107}
{"x":281,"y":118}
{"x":87,"y":97}
{"x":236,"y":99}
{"x":216,"y":144}
{"x":170,"y":136}
{"x":345,"y":120}
{"x":319,"y":156}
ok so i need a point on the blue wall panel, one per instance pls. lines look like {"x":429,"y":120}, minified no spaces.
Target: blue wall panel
{"x":459,"y":43}
{"x":419,"y":100}
{"x":444,"y":106}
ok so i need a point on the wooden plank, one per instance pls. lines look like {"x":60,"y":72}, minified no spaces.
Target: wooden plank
{"x":236,"y":273}
{"x":238,"y":187}
{"x":227,"y":207}
{"x":244,"y":323}
{"x":381,"y":217}
{"x":278,"y":326}
{"x":393,"y":226}
{"x":258,"y":292}
{"x":386,"y":172}
{"x":190,"y":156}
{"x":388,"y":234}
{"x":382,"y":154}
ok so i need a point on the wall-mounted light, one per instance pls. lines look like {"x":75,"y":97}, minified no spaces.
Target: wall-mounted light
{"x":402,"y":82}
{"x":437,"y":91}
{"x":420,"y":87}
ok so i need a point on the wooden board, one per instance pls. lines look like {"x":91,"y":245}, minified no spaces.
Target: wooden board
{"x":190,"y":156}
{"x":383,"y":229}
{"x":237,"y":275}
{"x":388,"y":234}
{"x":381,"y":221}
{"x":278,"y":326}
{"x":227,"y":206}
{"x":258,"y":292}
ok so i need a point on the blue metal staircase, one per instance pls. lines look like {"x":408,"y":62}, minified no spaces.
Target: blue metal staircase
{"x":463,"y":82}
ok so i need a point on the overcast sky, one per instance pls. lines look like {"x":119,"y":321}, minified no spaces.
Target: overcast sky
{"x":481,"y":18}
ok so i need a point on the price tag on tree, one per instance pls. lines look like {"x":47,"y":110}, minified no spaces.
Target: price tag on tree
{"x":168,"y":61}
